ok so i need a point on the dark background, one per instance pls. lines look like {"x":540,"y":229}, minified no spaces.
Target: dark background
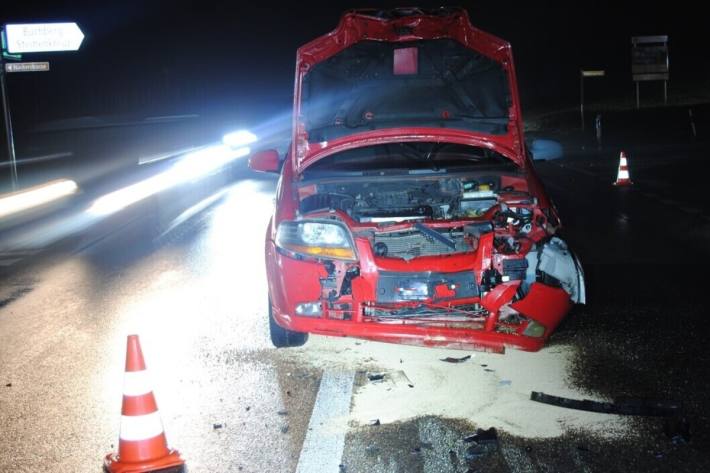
{"x":229,"y":59}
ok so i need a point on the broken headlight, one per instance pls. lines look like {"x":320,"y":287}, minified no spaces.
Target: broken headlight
{"x":316,"y":238}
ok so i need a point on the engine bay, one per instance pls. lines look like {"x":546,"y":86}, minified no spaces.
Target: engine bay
{"x":377,"y":200}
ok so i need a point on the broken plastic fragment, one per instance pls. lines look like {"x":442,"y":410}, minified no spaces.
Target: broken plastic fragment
{"x":632,"y":406}
{"x":450,"y":359}
{"x":483,"y":437}
{"x":474,"y":452}
{"x":376,"y":376}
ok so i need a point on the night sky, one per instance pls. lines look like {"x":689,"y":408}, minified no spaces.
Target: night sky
{"x":223,"y":58}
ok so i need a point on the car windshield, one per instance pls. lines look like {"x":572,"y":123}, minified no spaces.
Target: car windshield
{"x":375,"y":85}
{"x":409,"y":158}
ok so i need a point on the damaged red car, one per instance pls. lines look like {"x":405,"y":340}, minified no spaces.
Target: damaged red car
{"x":407,"y":208}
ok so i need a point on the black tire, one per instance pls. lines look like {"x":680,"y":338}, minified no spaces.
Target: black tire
{"x":283,"y":338}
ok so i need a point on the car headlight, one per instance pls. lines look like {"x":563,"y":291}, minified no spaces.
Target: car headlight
{"x":316,"y":238}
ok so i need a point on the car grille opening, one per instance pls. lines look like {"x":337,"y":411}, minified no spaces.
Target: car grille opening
{"x":413,"y":244}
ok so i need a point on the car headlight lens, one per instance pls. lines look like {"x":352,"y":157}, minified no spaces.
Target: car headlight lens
{"x":316,"y":238}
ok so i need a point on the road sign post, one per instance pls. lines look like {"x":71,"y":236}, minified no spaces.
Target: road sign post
{"x":582,"y":74}
{"x":19,"y":39}
{"x":8,"y":126}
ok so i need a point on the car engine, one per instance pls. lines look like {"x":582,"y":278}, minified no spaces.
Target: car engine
{"x":435,"y":199}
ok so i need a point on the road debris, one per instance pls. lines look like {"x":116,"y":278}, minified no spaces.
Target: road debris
{"x":483,"y":442}
{"x":450,"y":359}
{"x":376,"y":376}
{"x":483,"y":437}
{"x":630,"y":406}
{"x":474,"y":452}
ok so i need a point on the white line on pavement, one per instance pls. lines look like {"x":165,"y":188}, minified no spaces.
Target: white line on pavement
{"x":322,"y":449}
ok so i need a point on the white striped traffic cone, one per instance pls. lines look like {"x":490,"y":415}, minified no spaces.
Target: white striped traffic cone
{"x":142,"y":446}
{"x":622,"y":176}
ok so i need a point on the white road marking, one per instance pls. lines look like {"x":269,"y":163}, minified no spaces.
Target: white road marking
{"x":322,"y":449}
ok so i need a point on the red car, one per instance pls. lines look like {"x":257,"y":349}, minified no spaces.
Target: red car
{"x":407,"y":208}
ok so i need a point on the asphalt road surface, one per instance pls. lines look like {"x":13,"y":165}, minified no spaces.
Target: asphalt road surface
{"x":230,"y":402}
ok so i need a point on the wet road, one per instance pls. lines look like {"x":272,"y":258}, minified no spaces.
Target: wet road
{"x":230,"y":402}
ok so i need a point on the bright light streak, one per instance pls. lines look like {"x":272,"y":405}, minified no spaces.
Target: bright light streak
{"x":122,"y":198}
{"x":191,"y":167}
{"x":239,"y":138}
{"x":199,"y":163}
{"x":36,"y":196}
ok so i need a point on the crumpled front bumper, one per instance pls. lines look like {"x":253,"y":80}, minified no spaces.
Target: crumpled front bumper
{"x":293,"y":281}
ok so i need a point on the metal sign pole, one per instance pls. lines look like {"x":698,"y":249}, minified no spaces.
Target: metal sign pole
{"x":582,"y":74}
{"x":581,"y":98}
{"x":8,"y":126}
{"x":30,"y":38}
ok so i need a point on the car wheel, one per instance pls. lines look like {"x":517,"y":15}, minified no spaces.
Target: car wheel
{"x":283,"y":338}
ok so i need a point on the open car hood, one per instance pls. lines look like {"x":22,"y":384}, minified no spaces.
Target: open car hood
{"x":409,"y":72}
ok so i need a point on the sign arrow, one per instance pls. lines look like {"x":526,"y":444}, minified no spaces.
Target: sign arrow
{"x":43,"y":37}
{"x":27,"y":67}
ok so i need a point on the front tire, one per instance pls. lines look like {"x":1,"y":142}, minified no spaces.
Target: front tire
{"x":283,"y":338}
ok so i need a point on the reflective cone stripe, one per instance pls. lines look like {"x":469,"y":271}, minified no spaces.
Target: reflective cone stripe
{"x":623,"y":178}
{"x":137,"y":428}
{"x":142,"y":443}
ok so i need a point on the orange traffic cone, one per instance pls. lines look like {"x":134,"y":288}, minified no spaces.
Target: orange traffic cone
{"x":142,"y":446}
{"x":622,"y":176}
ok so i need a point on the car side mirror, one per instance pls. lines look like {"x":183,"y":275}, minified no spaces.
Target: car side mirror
{"x":265,"y":161}
{"x":541,"y":150}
